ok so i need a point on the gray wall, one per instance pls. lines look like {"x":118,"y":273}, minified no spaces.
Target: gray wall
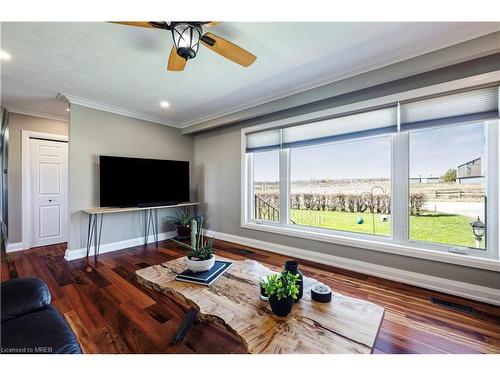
{"x":218,"y":173}
{"x":93,"y":133}
{"x":17,"y":123}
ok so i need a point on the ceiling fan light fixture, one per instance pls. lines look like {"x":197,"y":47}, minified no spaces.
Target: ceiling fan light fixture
{"x":186,"y":38}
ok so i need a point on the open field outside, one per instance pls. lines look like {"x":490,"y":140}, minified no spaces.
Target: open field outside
{"x":429,"y":226}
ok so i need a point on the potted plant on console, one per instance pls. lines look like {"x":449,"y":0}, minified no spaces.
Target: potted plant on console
{"x":183,"y":224}
{"x":282,"y":290}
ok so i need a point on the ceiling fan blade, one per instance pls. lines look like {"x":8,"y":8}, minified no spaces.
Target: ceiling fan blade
{"x":212,"y":24}
{"x":175,"y":62}
{"x":228,"y":50}
{"x":138,"y":24}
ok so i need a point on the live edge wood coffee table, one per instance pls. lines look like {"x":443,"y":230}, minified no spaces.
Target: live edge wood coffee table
{"x":344,"y":325}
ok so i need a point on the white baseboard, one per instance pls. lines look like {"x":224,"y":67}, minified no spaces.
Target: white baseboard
{"x":458,"y":288}
{"x":16,"y":246}
{"x":113,"y":246}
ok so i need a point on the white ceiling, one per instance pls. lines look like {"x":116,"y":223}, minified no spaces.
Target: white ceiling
{"x":124,"y":68}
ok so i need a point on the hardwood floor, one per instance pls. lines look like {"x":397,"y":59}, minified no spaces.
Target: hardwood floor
{"x":111,"y":313}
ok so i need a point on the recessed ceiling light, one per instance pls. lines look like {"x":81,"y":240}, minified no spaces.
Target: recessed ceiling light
{"x":164,"y":104}
{"x":4,"y":55}
{"x":67,"y":109}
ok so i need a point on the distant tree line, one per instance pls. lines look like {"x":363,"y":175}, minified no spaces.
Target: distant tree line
{"x":379,"y":203}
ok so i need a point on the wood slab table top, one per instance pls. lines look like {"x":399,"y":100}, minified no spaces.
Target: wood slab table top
{"x":344,"y":325}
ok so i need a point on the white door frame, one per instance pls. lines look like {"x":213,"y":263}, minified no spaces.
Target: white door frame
{"x":26,"y":240}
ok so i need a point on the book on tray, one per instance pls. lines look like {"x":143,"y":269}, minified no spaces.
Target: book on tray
{"x":206,"y":277}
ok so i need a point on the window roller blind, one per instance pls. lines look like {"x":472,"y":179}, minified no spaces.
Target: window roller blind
{"x":381,"y":121}
{"x":468,"y":106}
{"x":337,"y":129}
{"x":264,"y":140}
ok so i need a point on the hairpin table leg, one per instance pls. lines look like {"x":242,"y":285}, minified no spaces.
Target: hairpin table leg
{"x":90,"y":231}
{"x":156,"y":226}
{"x":146,"y":217}
{"x":97,"y":239}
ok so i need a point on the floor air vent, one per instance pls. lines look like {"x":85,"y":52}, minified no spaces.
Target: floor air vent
{"x":244,"y":251}
{"x":453,"y":306}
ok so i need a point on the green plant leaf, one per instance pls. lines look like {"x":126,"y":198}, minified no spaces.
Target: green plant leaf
{"x":281,"y":285}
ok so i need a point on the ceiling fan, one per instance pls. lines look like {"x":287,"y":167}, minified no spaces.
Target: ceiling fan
{"x":187,"y":37}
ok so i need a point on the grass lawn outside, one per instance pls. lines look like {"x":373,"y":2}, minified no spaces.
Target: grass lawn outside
{"x":443,"y":228}
{"x":432,"y":227}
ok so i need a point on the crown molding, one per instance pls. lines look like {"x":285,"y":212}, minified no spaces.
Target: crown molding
{"x":94,"y":104}
{"x":28,"y":112}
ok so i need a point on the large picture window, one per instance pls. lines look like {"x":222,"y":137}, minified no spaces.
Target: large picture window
{"x":343,"y":186}
{"x":266,"y":186}
{"x":448,"y":184}
{"x":418,"y":177}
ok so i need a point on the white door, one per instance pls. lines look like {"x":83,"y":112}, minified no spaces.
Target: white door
{"x":49,"y":191}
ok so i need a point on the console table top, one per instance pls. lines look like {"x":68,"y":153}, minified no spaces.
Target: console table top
{"x":345,"y":325}
{"x":110,"y":210}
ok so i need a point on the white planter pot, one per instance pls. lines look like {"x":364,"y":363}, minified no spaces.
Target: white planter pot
{"x":200,"y":265}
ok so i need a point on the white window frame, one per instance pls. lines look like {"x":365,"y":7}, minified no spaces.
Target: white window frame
{"x":491,"y":188}
{"x":398,"y":242}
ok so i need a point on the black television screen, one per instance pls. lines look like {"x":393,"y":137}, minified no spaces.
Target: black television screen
{"x":131,"y":182}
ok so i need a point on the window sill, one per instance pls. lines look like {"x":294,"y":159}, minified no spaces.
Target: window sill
{"x":386,"y":247}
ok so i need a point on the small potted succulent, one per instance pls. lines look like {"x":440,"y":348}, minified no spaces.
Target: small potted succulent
{"x":183,"y":224}
{"x":282,"y":290}
{"x":202,"y":258}
{"x":201,"y":253}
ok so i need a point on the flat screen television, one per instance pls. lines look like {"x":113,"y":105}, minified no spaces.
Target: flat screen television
{"x":135,"y":182}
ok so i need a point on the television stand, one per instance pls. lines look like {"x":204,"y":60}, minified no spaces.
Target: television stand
{"x":157,"y":204}
{"x":96,"y":216}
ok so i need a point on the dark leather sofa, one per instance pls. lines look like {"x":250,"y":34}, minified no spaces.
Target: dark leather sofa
{"x":29,"y":324}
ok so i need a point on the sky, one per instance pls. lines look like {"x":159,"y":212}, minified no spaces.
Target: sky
{"x":432,"y":152}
